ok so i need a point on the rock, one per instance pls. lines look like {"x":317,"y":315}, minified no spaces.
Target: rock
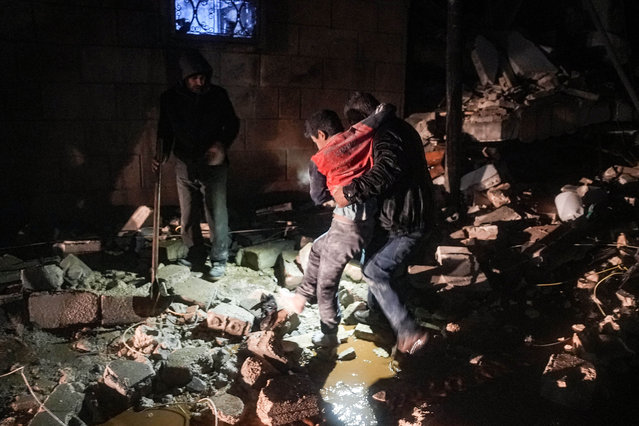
{"x":183,"y":363}
{"x":347,"y":354}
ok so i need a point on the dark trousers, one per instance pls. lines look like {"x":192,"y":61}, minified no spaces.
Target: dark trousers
{"x":386,"y":254}
{"x":329,"y":255}
{"x":202,"y":188}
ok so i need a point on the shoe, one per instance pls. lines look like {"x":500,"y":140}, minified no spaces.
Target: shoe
{"x":217,"y":270}
{"x":370,"y":317}
{"x":185,"y":262}
{"x":413,"y":343}
{"x":325,"y":340}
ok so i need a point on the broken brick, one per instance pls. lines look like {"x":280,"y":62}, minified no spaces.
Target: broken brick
{"x":287,"y":399}
{"x":63,"y":309}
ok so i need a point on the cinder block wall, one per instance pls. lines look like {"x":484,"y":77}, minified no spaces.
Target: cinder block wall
{"x":80,"y":82}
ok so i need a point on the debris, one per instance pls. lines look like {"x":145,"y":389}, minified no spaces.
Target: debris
{"x":287,"y":399}
{"x":131,"y":379}
{"x":569,"y":381}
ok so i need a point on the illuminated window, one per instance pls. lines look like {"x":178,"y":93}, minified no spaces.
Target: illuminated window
{"x":235,"y":19}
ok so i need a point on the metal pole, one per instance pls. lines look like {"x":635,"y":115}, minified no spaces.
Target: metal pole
{"x":453,"y":101}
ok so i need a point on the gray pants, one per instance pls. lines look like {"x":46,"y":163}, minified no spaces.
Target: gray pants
{"x":329,"y":255}
{"x":202,"y":188}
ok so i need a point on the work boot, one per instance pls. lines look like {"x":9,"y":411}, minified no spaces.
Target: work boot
{"x":325,"y":340}
{"x":217,"y":270}
{"x":371,"y":317}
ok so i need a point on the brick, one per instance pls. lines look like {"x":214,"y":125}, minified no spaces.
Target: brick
{"x":288,"y":399}
{"x":230,"y":319}
{"x":256,"y":371}
{"x":456,"y":261}
{"x":63,"y":309}
{"x":266,"y":345}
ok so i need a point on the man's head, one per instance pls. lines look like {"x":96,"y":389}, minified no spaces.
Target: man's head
{"x":359,"y":106}
{"x":196,"y":71}
{"x":321,"y":126}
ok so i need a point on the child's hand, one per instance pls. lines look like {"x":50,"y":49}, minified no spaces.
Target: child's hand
{"x":339,"y":198}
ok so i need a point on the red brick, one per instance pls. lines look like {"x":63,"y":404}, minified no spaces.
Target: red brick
{"x":63,"y":309}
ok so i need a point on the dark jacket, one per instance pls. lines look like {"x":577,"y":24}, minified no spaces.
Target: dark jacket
{"x":399,"y":178}
{"x":318,"y":189}
{"x":190,"y":123}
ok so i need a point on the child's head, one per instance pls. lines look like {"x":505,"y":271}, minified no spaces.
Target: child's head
{"x":322,"y":125}
{"x":359,"y":106}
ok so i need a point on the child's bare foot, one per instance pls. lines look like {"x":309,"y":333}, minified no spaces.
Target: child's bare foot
{"x":293,"y":303}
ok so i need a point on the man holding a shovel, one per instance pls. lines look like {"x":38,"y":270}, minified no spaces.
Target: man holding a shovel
{"x":198,"y":124}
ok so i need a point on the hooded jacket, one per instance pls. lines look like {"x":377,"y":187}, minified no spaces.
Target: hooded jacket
{"x":190,"y":123}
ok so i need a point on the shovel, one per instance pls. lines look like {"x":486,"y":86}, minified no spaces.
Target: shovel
{"x":158,"y":293}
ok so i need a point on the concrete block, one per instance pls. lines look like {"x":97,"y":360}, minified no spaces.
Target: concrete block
{"x":239,"y":69}
{"x":525,"y":58}
{"x":63,"y":309}
{"x":569,"y":381}
{"x":122,"y":309}
{"x":172,"y":250}
{"x":42,"y":277}
{"x":183,"y":363}
{"x":263,"y":256}
{"x":329,"y":43}
{"x":288,"y":399}
{"x":502,"y":214}
{"x":74,"y":268}
{"x":7,"y":262}
{"x":476,"y":282}
{"x":483,"y":232}
{"x":230,"y":408}
{"x":456,"y":260}
{"x":65,"y":403}
{"x":266,"y":103}
{"x":130,"y":379}
{"x":347,"y":354}
{"x":302,"y":255}
{"x":348,"y":317}
{"x":79,"y":246}
{"x":256,"y":371}
{"x":196,"y":290}
{"x":353,"y":271}
{"x":288,"y":273}
{"x":365,"y":332}
{"x":172,"y":275}
{"x":289,"y":102}
{"x":486,"y":60}
{"x":480,"y":179}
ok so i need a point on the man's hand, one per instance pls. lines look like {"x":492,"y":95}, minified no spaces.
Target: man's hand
{"x":215,"y":155}
{"x":329,"y":203}
{"x":339,"y":198}
{"x":155,"y":163}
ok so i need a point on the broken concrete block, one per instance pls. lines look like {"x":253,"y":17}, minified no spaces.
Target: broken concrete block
{"x":569,"y":381}
{"x":483,"y":232}
{"x":348,"y":315}
{"x":456,"y":261}
{"x":347,"y":354}
{"x":266,"y":345}
{"x":502,"y":214}
{"x":481,"y":179}
{"x":256,"y":371}
{"x":65,"y":403}
{"x":525,"y":58}
{"x":172,"y":250}
{"x":230,"y":408}
{"x":131,"y":379}
{"x":137,"y":220}
{"x":627,"y":299}
{"x":44,"y":277}
{"x":365,"y":332}
{"x":486,"y":60}
{"x":231,"y":319}
{"x":171,"y":275}
{"x":497,"y":195}
{"x":123,"y":309}
{"x":74,"y":269}
{"x":63,"y":309}
{"x":264,"y":255}
{"x":197,"y":291}
{"x":183,"y":363}
{"x":289,"y":274}
{"x":288,"y":399}
{"x":353,"y":271}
